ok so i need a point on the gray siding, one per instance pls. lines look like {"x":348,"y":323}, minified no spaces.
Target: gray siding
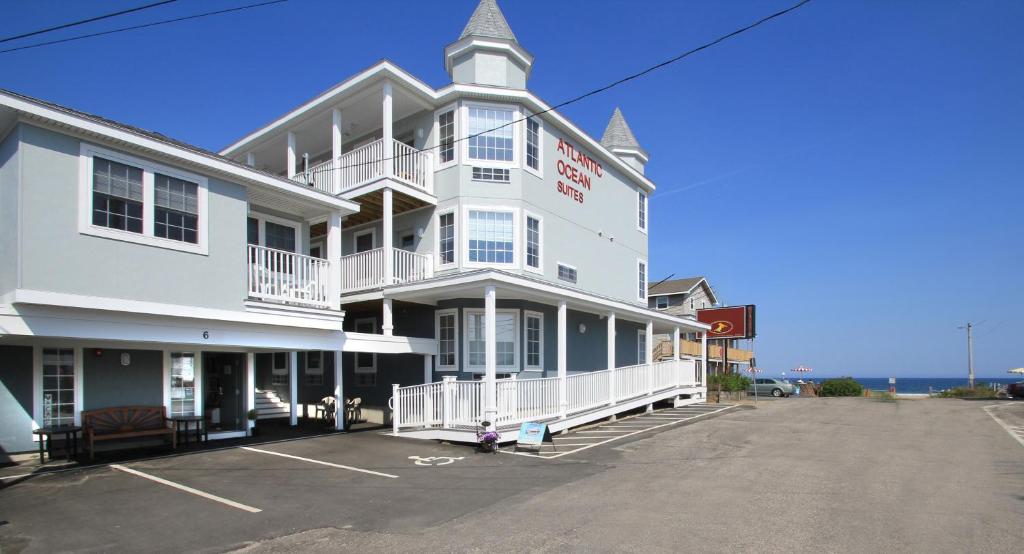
{"x":56,"y":257}
{"x":9,"y":212}
{"x":106,"y":383}
{"x":16,"y":404}
{"x":680,"y":304}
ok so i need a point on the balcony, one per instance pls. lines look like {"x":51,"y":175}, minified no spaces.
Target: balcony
{"x":366,"y":164}
{"x":289,"y":278}
{"x":691,"y":348}
{"x":365,"y":270}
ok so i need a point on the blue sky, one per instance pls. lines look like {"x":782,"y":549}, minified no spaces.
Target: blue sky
{"x":854,"y":169}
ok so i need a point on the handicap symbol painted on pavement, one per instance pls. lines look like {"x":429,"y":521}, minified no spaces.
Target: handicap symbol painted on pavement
{"x":435,"y":460}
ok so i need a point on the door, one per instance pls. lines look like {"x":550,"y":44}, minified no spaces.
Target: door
{"x":225,"y":386}
{"x":364,"y":241}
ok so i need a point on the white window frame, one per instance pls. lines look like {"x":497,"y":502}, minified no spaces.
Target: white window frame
{"x":641,"y":292}
{"x":37,"y":383}
{"x":437,"y":336}
{"x":540,"y":242}
{"x":262,"y":218}
{"x":367,"y":231}
{"x":657,"y":301}
{"x":306,"y":372}
{"x":646,"y":211}
{"x":516,"y":134}
{"x":568,"y":266}
{"x":454,"y":108}
{"x":516,"y":338}
{"x":455,"y":238}
{"x":196,"y":379}
{"x":539,"y":172}
{"x":517,"y":251}
{"x":355,"y":363}
{"x":527,"y":314}
{"x":147,"y":237}
{"x":275,"y":374}
{"x":641,"y":351}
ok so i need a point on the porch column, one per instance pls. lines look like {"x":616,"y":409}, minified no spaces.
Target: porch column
{"x":250,"y":387}
{"x":649,"y":356}
{"x":611,"y":358}
{"x":250,"y":159}
{"x":563,"y":402}
{"x":704,"y":358}
{"x":428,"y":368}
{"x":388,"y":239}
{"x":339,"y":393}
{"x":336,"y":150}
{"x":675,"y":356}
{"x":388,"y":326}
{"x":490,"y":355}
{"x":334,"y":260}
{"x":387,"y":131}
{"x":291,"y":154}
{"x":293,"y":388}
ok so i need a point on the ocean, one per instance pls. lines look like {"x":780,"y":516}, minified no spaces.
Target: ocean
{"x":921,"y":384}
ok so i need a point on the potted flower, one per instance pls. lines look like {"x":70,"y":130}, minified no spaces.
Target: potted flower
{"x":253,"y":415}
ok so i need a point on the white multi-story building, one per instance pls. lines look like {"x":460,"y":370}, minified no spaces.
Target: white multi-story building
{"x":447,"y":255}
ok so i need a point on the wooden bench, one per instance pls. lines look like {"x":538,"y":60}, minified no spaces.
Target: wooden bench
{"x":125,"y":422}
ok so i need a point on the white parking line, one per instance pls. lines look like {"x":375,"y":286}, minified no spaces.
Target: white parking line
{"x":312,"y":461}
{"x":1006,"y":427}
{"x":189,"y":490}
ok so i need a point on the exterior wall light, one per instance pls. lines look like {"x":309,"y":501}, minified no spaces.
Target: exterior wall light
{"x":126,"y":359}
{"x":583,"y":328}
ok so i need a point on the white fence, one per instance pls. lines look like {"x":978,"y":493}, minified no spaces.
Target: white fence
{"x":288,"y":277}
{"x":452,"y":403}
{"x":361,"y":165}
{"x":413,"y":166}
{"x":366,"y":163}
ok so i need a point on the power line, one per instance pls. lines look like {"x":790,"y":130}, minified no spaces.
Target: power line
{"x":143,"y":26}
{"x":599,"y":90}
{"x":84,"y":21}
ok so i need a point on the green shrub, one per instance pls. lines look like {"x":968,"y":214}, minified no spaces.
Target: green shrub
{"x":980,"y":390}
{"x":843,"y":386}
{"x":728,"y":381}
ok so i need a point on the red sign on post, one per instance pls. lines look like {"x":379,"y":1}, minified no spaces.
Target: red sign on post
{"x":734,"y":322}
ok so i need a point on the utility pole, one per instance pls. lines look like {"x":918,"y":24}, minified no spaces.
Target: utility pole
{"x":970,"y":354}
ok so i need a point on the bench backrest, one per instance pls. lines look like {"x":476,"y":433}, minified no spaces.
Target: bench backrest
{"x":124,"y":419}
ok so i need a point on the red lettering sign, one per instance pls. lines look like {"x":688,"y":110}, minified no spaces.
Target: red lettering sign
{"x":577,"y":169}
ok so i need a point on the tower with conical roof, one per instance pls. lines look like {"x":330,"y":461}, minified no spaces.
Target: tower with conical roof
{"x":618,"y":138}
{"x":487,"y":52}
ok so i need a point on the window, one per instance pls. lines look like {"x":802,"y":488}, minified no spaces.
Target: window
{"x":641,"y":279}
{"x":506,"y":331}
{"x":446,"y":238}
{"x":252,"y":230}
{"x":407,"y":241}
{"x":117,"y":195}
{"x":533,"y":143}
{"x":279,"y":369}
{"x":492,"y":174}
{"x":135,"y":200}
{"x":176,"y":209}
{"x":366,"y":362}
{"x":183,"y":384}
{"x":641,"y":347}
{"x":691,"y":303}
{"x":446,"y":138}
{"x":490,"y":134}
{"x":661,"y":302}
{"x":447,"y":331}
{"x":567,"y":273}
{"x":534,"y":340}
{"x":58,"y":386}
{"x":532,"y":242}
{"x":491,"y":237}
{"x":281,"y":237}
{"x":314,"y":368}
{"x":641,"y":202}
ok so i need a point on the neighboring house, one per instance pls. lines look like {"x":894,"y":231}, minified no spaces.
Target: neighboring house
{"x":443,"y":254}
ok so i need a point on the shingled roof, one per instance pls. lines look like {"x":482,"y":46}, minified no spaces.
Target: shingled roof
{"x":675,"y":286}
{"x":488,"y":21}
{"x":618,"y":134}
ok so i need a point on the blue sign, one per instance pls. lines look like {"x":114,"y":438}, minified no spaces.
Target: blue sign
{"x":532,"y":434}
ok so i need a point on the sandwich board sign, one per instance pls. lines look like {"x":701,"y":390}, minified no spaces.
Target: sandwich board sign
{"x":533,"y":435}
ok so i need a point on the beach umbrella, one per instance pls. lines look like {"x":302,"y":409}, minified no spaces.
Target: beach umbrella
{"x":1017,"y":370}
{"x":802,"y":369}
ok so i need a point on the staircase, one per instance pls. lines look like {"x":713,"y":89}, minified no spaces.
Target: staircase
{"x":663,"y":351}
{"x":270,"y":406}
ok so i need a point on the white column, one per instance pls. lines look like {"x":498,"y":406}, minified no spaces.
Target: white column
{"x":387,"y":131}
{"x":291,"y":154}
{"x":334,"y":260}
{"x":704,"y":359}
{"x":339,"y":393}
{"x":293,"y":388}
{"x":428,"y":368}
{"x":490,"y":355}
{"x":336,"y":149}
{"x":250,"y":385}
{"x":611,"y":358}
{"x":250,"y":159}
{"x":388,"y":239}
{"x":389,"y":324}
{"x":649,"y":345}
{"x":563,"y":401}
{"x":675,"y":344}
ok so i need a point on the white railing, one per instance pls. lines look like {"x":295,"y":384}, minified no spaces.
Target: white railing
{"x":361,"y":165}
{"x":288,"y":277}
{"x":320,"y":177}
{"x":413,"y":166}
{"x":518,"y":400}
{"x":365,"y":270}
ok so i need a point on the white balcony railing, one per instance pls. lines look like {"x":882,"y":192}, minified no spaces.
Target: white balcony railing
{"x":366,"y":163}
{"x":365,"y":270}
{"x":451,"y":403}
{"x":288,"y":277}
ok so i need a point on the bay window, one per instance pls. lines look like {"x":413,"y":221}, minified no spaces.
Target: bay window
{"x":446,"y":238}
{"x":490,"y":237}
{"x":446,"y":136}
{"x":533,"y":144}
{"x":490,"y":133}
{"x":532,"y":242}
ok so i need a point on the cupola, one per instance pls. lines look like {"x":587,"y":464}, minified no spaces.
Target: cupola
{"x":619,"y":139}
{"x":487,"y":52}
